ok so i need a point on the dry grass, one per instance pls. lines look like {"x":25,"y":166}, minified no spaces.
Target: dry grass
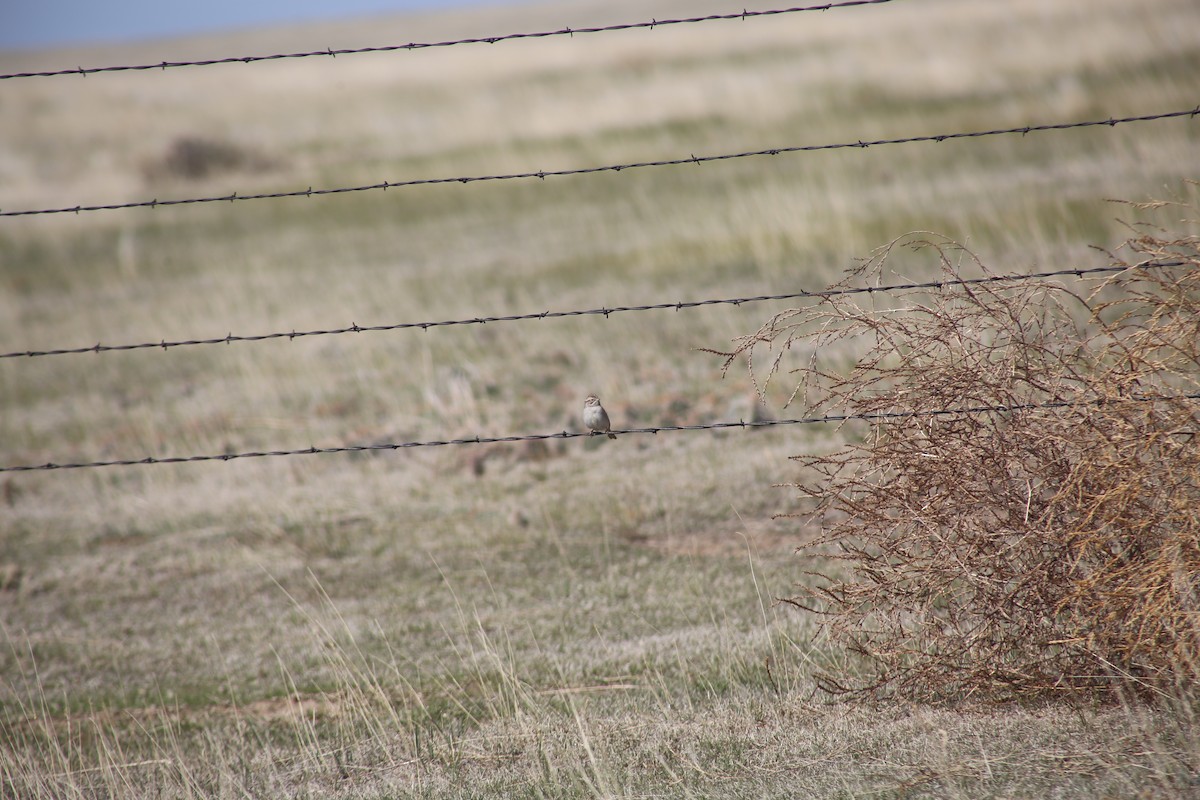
{"x":483,"y":621}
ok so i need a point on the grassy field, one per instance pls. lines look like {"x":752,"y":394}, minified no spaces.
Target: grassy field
{"x":581,"y":618}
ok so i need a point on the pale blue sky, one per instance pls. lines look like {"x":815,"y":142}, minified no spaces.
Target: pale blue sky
{"x":42,"y":23}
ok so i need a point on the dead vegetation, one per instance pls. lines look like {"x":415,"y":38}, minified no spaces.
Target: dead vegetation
{"x":1046,"y":547}
{"x":195,"y":158}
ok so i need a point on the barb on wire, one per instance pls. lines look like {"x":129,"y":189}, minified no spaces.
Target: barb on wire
{"x":1111,"y":122}
{"x":831,"y":418}
{"x":603,"y":311}
{"x":654,"y":23}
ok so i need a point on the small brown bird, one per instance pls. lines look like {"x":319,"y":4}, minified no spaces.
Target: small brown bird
{"x":595,"y":417}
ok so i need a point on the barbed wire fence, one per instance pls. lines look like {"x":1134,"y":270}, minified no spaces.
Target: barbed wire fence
{"x":604,"y":311}
{"x":1022,"y":130}
{"x":692,"y":159}
{"x":476,"y":440}
{"x":330,"y":52}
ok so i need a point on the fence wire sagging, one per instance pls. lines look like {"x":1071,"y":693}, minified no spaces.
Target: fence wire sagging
{"x":543,"y":174}
{"x":650,"y":24}
{"x":605,"y":311}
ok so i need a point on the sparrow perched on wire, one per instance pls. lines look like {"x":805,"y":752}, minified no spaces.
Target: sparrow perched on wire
{"x":595,"y":417}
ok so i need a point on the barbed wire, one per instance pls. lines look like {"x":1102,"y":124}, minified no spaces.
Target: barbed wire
{"x":878,"y":416}
{"x":543,"y":174}
{"x":654,"y":23}
{"x":602,"y":311}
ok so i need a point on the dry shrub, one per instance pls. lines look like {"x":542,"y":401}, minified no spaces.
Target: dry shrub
{"x":1014,"y":553}
{"x":198,"y":157}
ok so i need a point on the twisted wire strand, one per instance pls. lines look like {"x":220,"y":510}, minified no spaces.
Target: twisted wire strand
{"x":1023,"y":130}
{"x":651,"y":24}
{"x":832,"y":418}
{"x":603,"y":311}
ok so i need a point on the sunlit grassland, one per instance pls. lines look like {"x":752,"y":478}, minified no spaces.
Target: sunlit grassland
{"x":580,"y":618}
